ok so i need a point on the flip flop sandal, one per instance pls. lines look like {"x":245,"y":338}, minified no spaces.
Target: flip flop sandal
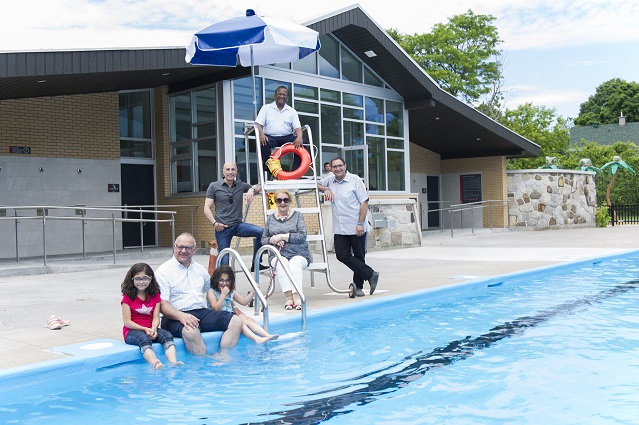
{"x":288,"y":305}
{"x":297,"y":306}
{"x":53,"y":323}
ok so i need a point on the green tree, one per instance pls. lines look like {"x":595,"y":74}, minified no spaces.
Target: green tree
{"x":624,"y":190}
{"x":610,"y":99}
{"x":541,"y":125}
{"x":461,"y":55}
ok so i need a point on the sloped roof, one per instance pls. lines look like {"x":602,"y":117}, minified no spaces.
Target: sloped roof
{"x":605,"y":134}
{"x":437,"y":121}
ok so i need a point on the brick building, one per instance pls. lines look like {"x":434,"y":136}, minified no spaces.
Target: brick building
{"x":143,"y":127}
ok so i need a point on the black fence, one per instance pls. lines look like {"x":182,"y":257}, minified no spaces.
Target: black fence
{"x":624,"y":214}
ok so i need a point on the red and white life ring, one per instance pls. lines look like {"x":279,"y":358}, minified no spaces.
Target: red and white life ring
{"x":305,"y":157}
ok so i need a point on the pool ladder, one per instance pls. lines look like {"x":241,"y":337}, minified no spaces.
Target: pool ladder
{"x":254,"y":280}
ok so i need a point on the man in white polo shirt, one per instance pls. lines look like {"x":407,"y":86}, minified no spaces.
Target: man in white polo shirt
{"x":278,"y":124}
{"x":183,"y":287}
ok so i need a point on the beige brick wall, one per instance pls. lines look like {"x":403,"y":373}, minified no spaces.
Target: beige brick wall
{"x":493,"y":182}
{"x":79,"y":126}
{"x":424,"y":161}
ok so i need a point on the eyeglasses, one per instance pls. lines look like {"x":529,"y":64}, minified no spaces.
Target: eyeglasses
{"x":143,"y":279}
{"x":282,"y":200}
{"x":187,"y":247}
{"x":224,"y":280}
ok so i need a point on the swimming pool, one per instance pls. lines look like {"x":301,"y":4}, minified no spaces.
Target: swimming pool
{"x":557,"y":345}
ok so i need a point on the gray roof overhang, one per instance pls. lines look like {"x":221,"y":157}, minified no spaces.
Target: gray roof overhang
{"x":437,"y":121}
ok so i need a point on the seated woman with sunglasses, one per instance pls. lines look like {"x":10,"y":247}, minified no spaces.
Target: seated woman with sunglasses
{"x":286,"y":230}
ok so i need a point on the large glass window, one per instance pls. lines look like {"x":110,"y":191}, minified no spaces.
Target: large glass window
{"x":136,"y":138}
{"x":307,"y":64}
{"x":331,"y":128}
{"x":396,"y":177}
{"x":193,"y":140}
{"x":243,"y":97}
{"x":376,"y":165}
{"x":353,"y":133}
{"x":329,"y":57}
{"x":351,"y":114}
{"x":351,"y":67}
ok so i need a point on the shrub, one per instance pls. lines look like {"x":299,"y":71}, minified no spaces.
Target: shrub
{"x":602,"y":216}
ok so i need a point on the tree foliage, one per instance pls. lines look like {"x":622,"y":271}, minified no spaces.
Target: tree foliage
{"x":542,"y":126}
{"x":611,"y":98}
{"x":624,"y":191}
{"x":461,"y":55}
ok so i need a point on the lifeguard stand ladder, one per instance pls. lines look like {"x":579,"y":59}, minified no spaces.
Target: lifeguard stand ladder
{"x":297,"y":187}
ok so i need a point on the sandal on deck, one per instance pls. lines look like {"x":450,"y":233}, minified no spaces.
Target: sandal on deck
{"x":288,"y":305}
{"x":53,"y":323}
{"x":297,"y":306}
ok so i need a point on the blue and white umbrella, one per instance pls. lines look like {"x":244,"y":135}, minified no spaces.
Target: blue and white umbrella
{"x":251,"y":40}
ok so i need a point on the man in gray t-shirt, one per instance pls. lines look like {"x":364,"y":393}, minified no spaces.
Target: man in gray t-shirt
{"x":227,"y":195}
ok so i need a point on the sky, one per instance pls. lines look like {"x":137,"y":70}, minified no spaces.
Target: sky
{"x":556,"y":52}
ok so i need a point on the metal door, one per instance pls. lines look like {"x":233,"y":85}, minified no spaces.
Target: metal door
{"x":138,"y":188}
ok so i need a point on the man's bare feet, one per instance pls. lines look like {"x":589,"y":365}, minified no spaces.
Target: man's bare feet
{"x":157,"y":364}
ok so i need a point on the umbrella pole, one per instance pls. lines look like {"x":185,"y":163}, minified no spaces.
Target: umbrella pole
{"x":253,"y":80}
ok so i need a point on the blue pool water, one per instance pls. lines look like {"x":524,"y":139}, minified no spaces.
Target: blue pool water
{"x":558,"y":345}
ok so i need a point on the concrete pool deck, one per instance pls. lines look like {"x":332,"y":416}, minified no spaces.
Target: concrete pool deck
{"x":87,"y":291}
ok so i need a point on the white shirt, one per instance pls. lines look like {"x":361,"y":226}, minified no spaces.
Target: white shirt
{"x":184,"y":288}
{"x":276,"y":122}
{"x":348,"y":195}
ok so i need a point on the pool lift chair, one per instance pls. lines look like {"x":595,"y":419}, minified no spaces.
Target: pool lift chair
{"x":299,"y":187}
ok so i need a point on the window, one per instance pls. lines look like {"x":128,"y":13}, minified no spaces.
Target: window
{"x":394,"y":119}
{"x":351,"y":67}
{"x":329,"y":57}
{"x":345,"y":115}
{"x":135,"y":124}
{"x":193,"y":140}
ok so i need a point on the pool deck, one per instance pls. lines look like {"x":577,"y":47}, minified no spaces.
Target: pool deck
{"x":86,"y":291}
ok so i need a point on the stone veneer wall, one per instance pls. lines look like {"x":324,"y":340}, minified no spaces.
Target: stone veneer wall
{"x":399,"y":227}
{"x":548,"y":198}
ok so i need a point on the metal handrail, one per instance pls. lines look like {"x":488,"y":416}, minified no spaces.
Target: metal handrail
{"x":472,"y":206}
{"x":44,"y":217}
{"x":287,"y":270}
{"x":256,"y":287}
{"x":453,"y":208}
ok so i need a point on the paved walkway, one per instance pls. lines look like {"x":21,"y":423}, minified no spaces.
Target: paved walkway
{"x":87,"y":291}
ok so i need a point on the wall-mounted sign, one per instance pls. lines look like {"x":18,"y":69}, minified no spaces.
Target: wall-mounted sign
{"x":470,"y":188}
{"x":114,"y":187}
{"x":24,"y":150}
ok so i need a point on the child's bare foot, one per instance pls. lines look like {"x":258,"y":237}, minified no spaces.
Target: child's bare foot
{"x":157,"y":364}
{"x":267,"y":338}
{"x":178,"y":363}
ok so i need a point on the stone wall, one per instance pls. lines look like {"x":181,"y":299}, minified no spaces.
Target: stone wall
{"x":549,"y":198}
{"x":394,"y":224}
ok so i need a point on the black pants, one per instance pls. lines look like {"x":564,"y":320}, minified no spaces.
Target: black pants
{"x":351,"y":250}
{"x":275,"y":142}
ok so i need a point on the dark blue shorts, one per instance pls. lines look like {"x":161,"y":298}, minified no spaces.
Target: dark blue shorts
{"x":210,"y":321}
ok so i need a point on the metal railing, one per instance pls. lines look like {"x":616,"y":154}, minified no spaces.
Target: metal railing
{"x":253,"y":280}
{"x":623,"y":214}
{"x":471,"y":206}
{"x":80,"y":214}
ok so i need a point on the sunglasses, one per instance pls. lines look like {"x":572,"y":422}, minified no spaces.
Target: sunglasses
{"x":282,"y":200}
